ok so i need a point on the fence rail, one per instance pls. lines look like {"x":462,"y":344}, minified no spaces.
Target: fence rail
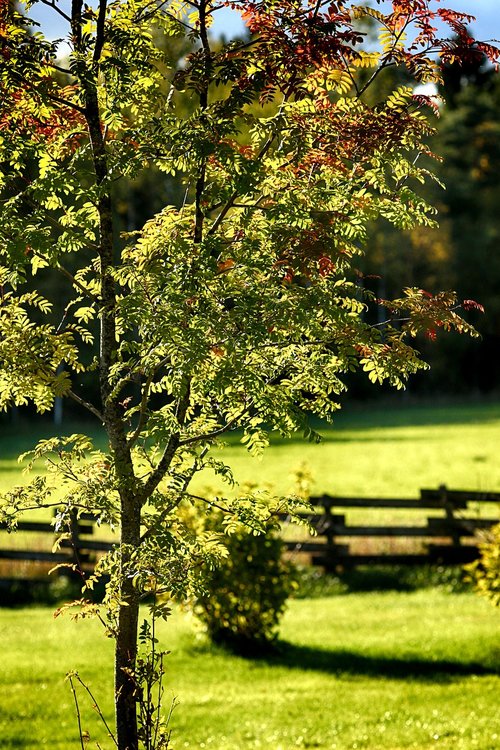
{"x":447,"y":539}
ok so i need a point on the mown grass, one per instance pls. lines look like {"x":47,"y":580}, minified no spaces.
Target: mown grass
{"x":373,"y":451}
{"x":385,"y":671}
{"x":378,"y":451}
{"x":388,"y":452}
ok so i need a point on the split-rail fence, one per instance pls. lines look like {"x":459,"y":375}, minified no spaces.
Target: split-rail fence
{"x":448,"y":535}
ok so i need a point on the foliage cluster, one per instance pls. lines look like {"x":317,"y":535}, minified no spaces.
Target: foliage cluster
{"x":461,"y":253}
{"x":242,"y":599}
{"x":485,"y":572}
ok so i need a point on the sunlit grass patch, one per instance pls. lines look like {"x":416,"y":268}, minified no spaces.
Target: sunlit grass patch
{"x":375,"y":671}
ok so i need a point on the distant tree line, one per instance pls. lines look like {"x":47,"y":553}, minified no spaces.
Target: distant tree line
{"x":463,"y":253}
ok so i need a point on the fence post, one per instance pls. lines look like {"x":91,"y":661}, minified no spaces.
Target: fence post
{"x":329,"y":537}
{"x":449,"y":508}
{"x":74,"y":530}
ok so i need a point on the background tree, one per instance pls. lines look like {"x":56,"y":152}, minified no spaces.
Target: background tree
{"x":461,"y":252}
{"x":238,"y":308}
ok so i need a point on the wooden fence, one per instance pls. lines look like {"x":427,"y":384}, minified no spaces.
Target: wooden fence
{"x":32,"y":560}
{"x":447,"y":537}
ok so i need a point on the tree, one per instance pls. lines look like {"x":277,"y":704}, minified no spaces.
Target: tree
{"x":468,"y":140}
{"x":240,"y":309}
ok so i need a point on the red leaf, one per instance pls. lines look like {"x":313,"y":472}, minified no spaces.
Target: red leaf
{"x":470,"y":304}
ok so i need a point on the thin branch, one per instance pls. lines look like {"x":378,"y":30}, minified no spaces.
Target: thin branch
{"x":96,"y":708}
{"x":385,"y":62}
{"x":66,"y":102}
{"x":52,"y":4}
{"x":349,"y":73}
{"x":129,"y":378}
{"x":59,"y":68}
{"x":55,"y":223}
{"x":86,"y":404}
{"x":64,"y":468}
{"x":211,"y":435}
{"x":173,"y":443}
{"x":213,"y":504}
{"x":49,"y":505}
{"x":77,"y":708}
{"x":145,"y":15}
{"x":230,"y":203}
{"x":142,"y":413}
{"x":255,"y":206}
{"x":75,"y":282}
{"x":182,"y":491}
{"x":208,"y":502}
{"x":36,"y":90}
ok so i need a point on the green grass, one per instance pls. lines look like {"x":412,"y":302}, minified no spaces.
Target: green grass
{"x":377,"y":671}
{"x":23,"y":436}
{"x":386,"y":451}
{"x":389,"y":452}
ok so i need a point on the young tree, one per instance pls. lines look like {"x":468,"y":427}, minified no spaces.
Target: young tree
{"x":239,"y":310}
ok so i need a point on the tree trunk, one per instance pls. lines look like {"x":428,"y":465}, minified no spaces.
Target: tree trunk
{"x":126,"y":637}
{"x":127,"y":483}
{"x":128,"y":616}
{"x":130,"y":510}
{"x":125,"y":685}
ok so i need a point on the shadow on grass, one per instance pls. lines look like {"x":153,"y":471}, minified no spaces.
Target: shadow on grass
{"x":342,"y":662}
{"x":356,"y":418}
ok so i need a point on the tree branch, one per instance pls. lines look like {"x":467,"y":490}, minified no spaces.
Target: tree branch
{"x":187,"y":479}
{"x":142,"y":413}
{"x":75,"y":282}
{"x":162,"y":467}
{"x":36,"y":90}
{"x":86,"y":404}
{"x":99,"y":38}
{"x":76,"y":22}
{"x":55,"y":223}
{"x":200,"y":182}
{"x":230,"y":203}
{"x":158,"y":8}
{"x":385,"y":62}
{"x":213,"y":434}
{"x":52,"y":4}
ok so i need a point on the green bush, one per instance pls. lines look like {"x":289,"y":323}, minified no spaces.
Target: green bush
{"x":244,"y":597}
{"x":485,"y":572}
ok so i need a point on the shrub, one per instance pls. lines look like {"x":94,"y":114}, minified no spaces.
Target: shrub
{"x":485,"y":572}
{"x":243,"y":598}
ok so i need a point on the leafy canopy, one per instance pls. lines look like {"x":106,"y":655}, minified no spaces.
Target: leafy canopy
{"x":240,"y":309}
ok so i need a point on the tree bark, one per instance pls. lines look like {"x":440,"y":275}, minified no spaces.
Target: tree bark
{"x":126,"y":636}
{"x":130,"y":503}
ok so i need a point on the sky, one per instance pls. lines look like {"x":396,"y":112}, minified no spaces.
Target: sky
{"x":228,"y":23}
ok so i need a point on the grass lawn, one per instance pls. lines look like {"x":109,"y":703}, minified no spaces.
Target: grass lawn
{"x":381,"y":671}
{"x":373,"y":451}
{"x":388,"y":452}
